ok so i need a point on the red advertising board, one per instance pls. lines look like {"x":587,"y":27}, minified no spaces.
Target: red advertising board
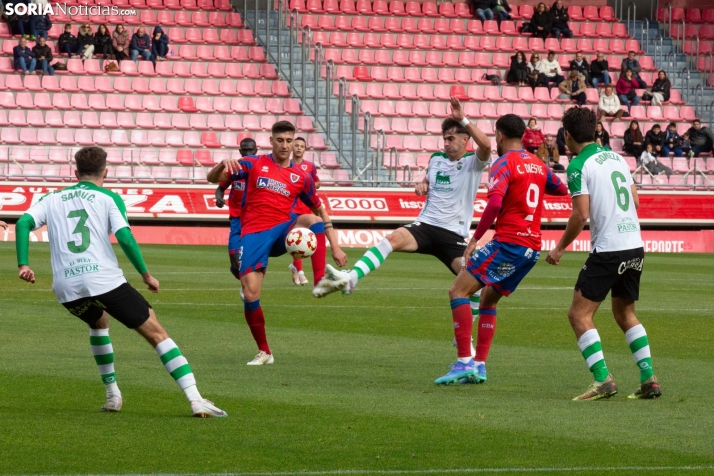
{"x":356,"y":205}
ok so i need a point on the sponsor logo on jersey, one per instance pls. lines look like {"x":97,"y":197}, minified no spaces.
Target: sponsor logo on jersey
{"x":627,"y":226}
{"x":80,"y":270}
{"x":273,"y":186}
{"x":264,"y":169}
{"x":442,"y":178}
{"x":634,"y":263}
{"x":504,"y":270}
{"x":239,"y":185}
{"x":294,"y":178}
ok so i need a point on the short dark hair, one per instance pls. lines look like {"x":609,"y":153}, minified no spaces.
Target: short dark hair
{"x":511,"y":126}
{"x":91,"y":161}
{"x":580,"y":122}
{"x":300,"y":138}
{"x":451,"y":123}
{"x":248,"y":143}
{"x":696,"y":120}
{"x":657,"y":126}
{"x":672,"y":124}
{"x":551,"y":52}
{"x":282,"y":126}
{"x":630,"y":52}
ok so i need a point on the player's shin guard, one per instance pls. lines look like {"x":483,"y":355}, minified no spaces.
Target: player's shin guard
{"x":256,"y":321}
{"x":485,"y":332}
{"x":177,"y":366}
{"x":104,"y":357}
{"x":371,"y":260}
{"x":640,"y":347}
{"x":463,"y":326}
{"x":319,"y":257}
{"x":297,"y":262}
{"x":591,"y":348}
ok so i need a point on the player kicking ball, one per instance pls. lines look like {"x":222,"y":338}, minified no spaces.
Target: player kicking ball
{"x":298,"y":275}
{"x":88,"y":281}
{"x":603,"y":190}
{"x":517,"y":183}
{"x":442,"y":227}
{"x":273,"y":185}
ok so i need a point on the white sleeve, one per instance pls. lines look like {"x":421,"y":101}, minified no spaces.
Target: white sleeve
{"x":38,"y":212}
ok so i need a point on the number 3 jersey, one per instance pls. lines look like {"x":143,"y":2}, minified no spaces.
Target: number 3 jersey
{"x":521,"y":179}
{"x":79,"y":221}
{"x":605,"y":176}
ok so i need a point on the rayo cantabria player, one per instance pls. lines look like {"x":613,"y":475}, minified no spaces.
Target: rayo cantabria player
{"x":88,"y":281}
{"x":603,"y":190}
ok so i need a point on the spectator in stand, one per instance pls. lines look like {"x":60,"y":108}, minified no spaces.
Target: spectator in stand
{"x":560,"y":21}
{"x":25,"y":24}
{"x":602,"y":135}
{"x":648,"y":158}
{"x":535,"y":77}
{"x":631,"y":63}
{"x":625,"y":88}
{"x":609,"y":105}
{"x":580,"y":64}
{"x":660,"y":90}
{"x":655,"y":136}
{"x":701,"y":138}
{"x":599,"y":71}
{"x":160,"y":44}
{"x":573,"y":88}
{"x":68,"y":42}
{"x":103,"y":43}
{"x":633,"y":140}
{"x":42,"y":26}
{"x":85,"y":42}
{"x":533,"y":137}
{"x":541,"y":22}
{"x":43,"y":54}
{"x":548,"y":153}
{"x":687,"y":146}
{"x":560,"y":141}
{"x":502,"y":10}
{"x":140,"y":45}
{"x":518,"y":73}
{"x":24,"y":58}
{"x":672,"y":141}
{"x":120,"y":43}
{"x":551,"y":69}
{"x":481,"y":9}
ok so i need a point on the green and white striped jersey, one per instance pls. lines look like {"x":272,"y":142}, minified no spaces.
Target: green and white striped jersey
{"x":605,"y":176}
{"x":452,"y":190}
{"x":79,"y":221}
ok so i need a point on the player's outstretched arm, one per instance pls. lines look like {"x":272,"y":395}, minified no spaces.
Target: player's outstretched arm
{"x":222,"y":171}
{"x":576,"y":223}
{"x":483,"y":151}
{"x":337,"y":254}
{"x":131,"y":249}
{"x":422,"y":188}
{"x":22,"y":247}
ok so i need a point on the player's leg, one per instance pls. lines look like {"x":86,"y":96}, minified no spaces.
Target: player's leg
{"x":485,"y":330}
{"x":319,"y":257}
{"x":234,"y":246}
{"x":252,"y":284}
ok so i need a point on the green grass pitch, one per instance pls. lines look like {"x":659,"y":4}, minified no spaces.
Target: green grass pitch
{"x":352,"y":387}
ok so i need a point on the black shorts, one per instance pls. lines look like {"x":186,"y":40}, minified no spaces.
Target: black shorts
{"x":616,"y":271}
{"x":431,"y":240}
{"x":124,"y":304}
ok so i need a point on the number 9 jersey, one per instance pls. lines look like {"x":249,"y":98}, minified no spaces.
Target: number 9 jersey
{"x":79,"y":220}
{"x":521,"y":179}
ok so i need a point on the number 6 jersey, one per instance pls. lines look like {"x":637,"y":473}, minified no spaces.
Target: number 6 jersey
{"x":605,"y":176}
{"x":79,"y":221}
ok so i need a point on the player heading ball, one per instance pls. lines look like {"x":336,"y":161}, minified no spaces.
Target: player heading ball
{"x":88,"y":281}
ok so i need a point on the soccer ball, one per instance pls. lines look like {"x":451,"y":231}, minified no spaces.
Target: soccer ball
{"x":301,"y":243}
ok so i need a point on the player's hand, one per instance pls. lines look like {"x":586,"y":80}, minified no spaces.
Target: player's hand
{"x":421,"y":189}
{"x":26,"y":274}
{"x":232,"y":166}
{"x":339,"y":256}
{"x":220,"y":202}
{"x":554,"y":256}
{"x":151,"y":282}
{"x":470,"y":248}
{"x":3,"y":225}
{"x":456,"y":111}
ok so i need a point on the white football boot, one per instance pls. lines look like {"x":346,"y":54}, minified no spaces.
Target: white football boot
{"x":333,"y":280}
{"x":113,"y":404}
{"x":206,"y":409}
{"x":296,"y":276}
{"x":263,"y":358}
{"x":303,"y":279}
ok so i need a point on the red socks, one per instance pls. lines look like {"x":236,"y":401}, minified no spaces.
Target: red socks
{"x":319,"y":257}
{"x":256,"y":321}
{"x":486,"y":330}
{"x":463,"y":325}
{"x":297,"y":262}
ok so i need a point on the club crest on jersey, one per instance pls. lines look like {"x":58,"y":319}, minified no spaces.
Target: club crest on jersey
{"x":272,"y":185}
{"x":459,"y":165}
{"x":303,"y":166}
{"x":294,"y":178}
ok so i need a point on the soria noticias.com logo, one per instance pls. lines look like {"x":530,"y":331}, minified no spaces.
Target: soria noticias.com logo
{"x":23,"y":9}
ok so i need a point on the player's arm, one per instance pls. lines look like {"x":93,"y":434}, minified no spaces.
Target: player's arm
{"x":22,"y":247}
{"x":337,"y":254}
{"x":635,"y":196}
{"x":422,"y":188}
{"x":3,"y":225}
{"x":576,"y":223}
{"x":555,"y":186}
{"x":483,"y":151}
{"x":222,"y":172}
{"x":220,"y":193}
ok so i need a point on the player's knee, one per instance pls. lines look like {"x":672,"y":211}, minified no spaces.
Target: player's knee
{"x":456,"y":292}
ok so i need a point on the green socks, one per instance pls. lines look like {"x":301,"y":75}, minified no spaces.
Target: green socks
{"x":591,"y":348}
{"x":177,"y":366}
{"x":371,"y":260}
{"x":640,"y":348}
{"x":104,"y":357}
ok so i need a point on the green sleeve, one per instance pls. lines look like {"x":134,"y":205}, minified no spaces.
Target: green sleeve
{"x":131,"y":249}
{"x":22,"y":239}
